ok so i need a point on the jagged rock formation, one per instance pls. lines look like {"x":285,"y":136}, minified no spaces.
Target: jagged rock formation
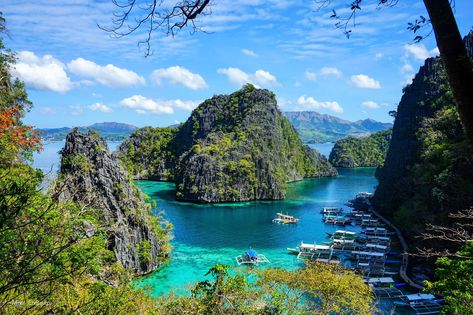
{"x":361,"y":152}
{"x":92,"y":177}
{"x":428,"y":171}
{"x":233,"y":147}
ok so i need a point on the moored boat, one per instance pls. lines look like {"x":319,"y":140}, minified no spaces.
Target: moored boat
{"x":251,"y":257}
{"x":285,"y":218}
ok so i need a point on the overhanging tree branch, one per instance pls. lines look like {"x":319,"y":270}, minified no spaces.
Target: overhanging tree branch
{"x":155,"y":16}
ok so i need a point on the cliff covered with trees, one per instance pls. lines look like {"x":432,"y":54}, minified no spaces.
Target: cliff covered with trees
{"x":233,"y":147}
{"x":361,"y":152}
{"x":428,"y":170}
{"x":90,"y":176}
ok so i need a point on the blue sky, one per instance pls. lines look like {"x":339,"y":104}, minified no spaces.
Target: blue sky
{"x":76,"y":74}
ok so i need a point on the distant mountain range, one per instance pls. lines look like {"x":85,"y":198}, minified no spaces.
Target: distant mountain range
{"x":314,"y":127}
{"x":109,"y":130}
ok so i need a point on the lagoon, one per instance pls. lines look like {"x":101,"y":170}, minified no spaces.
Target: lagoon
{"x":206,"y":234}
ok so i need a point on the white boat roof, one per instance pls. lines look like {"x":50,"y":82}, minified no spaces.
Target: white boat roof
{"x":419,"y":296}
{"x":380,"y":280}
{"x":368,"y":253}
{"x":336,"y":240}
{"x":344,"y":232}
{"x":375,"y":229}
{"x":376,"y":246}
{"x":314,"y":246}
{"x":284,"y":215}
{"x":381,"y":238}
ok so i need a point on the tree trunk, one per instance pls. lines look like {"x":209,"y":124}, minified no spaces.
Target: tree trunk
{"x":456,"y":59}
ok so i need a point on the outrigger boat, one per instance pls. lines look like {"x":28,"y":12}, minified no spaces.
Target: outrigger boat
{"x":336,"y":220}
{"x":377,"y":231}
{"x":420,"y":303}
{"x":331,"y":211}
{"x":322,"y":256}
{"x":309,"y":248}
{"x":251,"y":257}
{"x":285,"y":218}
{"x":343,"y":235}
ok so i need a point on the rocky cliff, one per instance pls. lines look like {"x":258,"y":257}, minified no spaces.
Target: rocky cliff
{"x":361,"y":152}
{"x":233,"y":147}
{"x":428,"y":171}
{"x":92,"y":177}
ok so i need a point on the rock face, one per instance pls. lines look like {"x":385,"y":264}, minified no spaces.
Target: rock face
{"x":428,"y":168}
{"x":93,"y":177}
{"x":236,"y":147}
{"x":361,"y":152}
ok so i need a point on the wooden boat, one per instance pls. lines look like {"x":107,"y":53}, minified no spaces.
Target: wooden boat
{"x":336,"y":220}
{"x":420,"y":303}
{"x":251,"y":257}
{"x":379,"y":281}
{"x":331,"y":211}
{"x":309,"y":248}
{"x":374,"y":239}
{"x":343,"y":235}
{"x":285,"y":219}
{"x":322,"y":256}
{"x":377,"y":231}
{"x":370,"y":247}
{"x":365,"y":255}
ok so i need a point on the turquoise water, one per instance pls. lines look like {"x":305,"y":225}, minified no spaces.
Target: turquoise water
{"x":210,"y":234}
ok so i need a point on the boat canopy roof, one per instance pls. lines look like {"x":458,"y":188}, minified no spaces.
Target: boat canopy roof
{"x":286,"y":216}
{"x":368,"y":253}
{"x":419,"y":296}
{"x":313,"y":246}
{"x":380,"y":280}
{"x":344,"y":232}
{"x":251,"y":253}
{"x":376,"y":246}
{"x":379,"y":238}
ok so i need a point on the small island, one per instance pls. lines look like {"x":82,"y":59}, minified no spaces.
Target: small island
{"x":235,"y":147}
{"x":361,"y":152}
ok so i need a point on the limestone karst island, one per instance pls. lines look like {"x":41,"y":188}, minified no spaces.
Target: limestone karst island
{"x":236,"y":157}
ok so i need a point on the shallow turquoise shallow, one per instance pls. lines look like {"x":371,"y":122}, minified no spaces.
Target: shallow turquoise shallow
{"x":210,"y":234}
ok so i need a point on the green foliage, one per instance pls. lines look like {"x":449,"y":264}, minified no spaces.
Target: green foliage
{"x":78,"y":162}
{"x":317,"y":289}
{"x":150,"y":151}
{"x":455,"y":282}
{"x":361,"y":152}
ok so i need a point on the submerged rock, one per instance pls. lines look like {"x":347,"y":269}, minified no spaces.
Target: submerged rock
{"x":92,"y":177}
{"x":235,"y":147}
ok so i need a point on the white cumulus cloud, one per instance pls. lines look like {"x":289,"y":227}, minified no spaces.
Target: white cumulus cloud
{"x":418,"y":51}
{"x":311,"y":103}
{"x":179,"y":75}
{"x":42,"y":73}
{"x":109,"y":75}
{"x":365,"y":82}
{"x":310,"y":75}
{"x":406,"y":68}
{"x":331,"y":71}
{"x":370,"y":105}
{"x":100,"y":107}
{"x":240,"y":77}
{"x":144,"y":105}
{"x":249,"y":52}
